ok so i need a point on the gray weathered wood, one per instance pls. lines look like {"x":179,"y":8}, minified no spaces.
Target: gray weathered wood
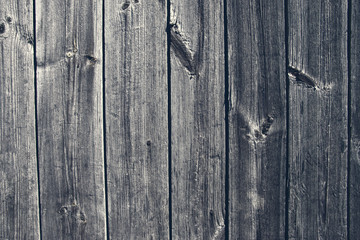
{"x":354,"y":183}
{"x":70,"y":119}
{"x":19,"y":213}
{"x":318,"y":119}
{"x":136,"y":119}
{"x":257,"y":119}
{"x":198,"y":126}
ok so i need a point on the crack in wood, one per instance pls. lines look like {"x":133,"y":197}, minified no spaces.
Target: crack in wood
{"x":182,"y":52}
{"x":191,"y":60}
{"x":93,"y":60}
{"x":302,"y":78}
{"x":125,"y":5}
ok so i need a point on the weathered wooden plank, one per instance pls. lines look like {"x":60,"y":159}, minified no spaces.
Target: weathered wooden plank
{"x":136,"y":119}
{"x":257,"y":119}
{"x":318,"y":95}
{"x":354,"y":186}
{"x":70,"y":119}
{"x":198,"y":126}
{"x":19,"y":214}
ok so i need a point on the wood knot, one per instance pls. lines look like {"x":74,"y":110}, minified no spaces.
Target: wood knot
{"x":266,"y":125}
{"x":73,"y":212}
{"x":260,"y":132}
{"x":63,"y":211}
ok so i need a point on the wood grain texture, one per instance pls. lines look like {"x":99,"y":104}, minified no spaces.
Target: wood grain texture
{"x":70,"y":119}
{"x":257,"y":119}
{"x":318,"y":119}
{"x":19,"y":213}
{"x":198,"y":112}
{"x":137,"y":119}
{"x":354,"y":186}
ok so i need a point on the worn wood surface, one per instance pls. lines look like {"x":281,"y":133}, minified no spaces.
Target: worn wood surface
{"x":179,"y":119}
{"x":318,"y":96}
{"x":137,"y":119}
{"x":354,"y":167}
{"x":19,"y":208}
{"x":70,"y":119}
{"x":197,"y":113}
{"x":257,"y":126}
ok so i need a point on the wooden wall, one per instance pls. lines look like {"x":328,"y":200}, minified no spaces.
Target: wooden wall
{"x":179,"y":119}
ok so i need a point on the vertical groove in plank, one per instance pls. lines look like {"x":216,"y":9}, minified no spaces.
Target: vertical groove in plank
{"x":104,"y":122}
{"x":36,"y":120}
{"x":198,"y":127}
{"x":287,"y":167}
{"x":70,"y":134}
{"x":318,"y":119}
{"x":168,"y":56}
{"x":354,"y":180}
{"x":257,"y":119}
{"x":350,"y":232}
{"x":19,"y":216}
{"x":227,"y":113}
{"x":137,"y":119}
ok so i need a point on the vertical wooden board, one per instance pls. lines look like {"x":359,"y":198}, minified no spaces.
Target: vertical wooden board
{"x":318,"y":119}
{"x":257,"y":119}
{"x":136,"y":119}
{"x":70,"y":119}
{"x":354,"y":167}
{"x":19,"y":214}
{"x":198,"y":112}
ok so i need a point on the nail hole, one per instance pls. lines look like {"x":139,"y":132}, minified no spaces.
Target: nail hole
{"x":148,"y":143}
{"x":69,"y":54}
{"x":9,"y":19}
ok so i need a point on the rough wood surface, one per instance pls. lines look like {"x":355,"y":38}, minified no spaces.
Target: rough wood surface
{"x":354,"y":184}
{"x":70,"y":118}
{"x":318,"y":119}
{"x":137,"y":119}
{"x":252,"y":95}
{"x":19,"y":208}
{"x":198,"y":126}
{"x":257,"y":119}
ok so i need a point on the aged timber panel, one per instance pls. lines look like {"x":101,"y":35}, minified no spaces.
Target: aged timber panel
{"x":318,"y":95}
{"x":19,"y":213}
{"x":70,"y":102}
{"x":136,"y":119}
{"x":354,"y":187}
{"x":257,"y":119}
{"x":198,"y":125}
